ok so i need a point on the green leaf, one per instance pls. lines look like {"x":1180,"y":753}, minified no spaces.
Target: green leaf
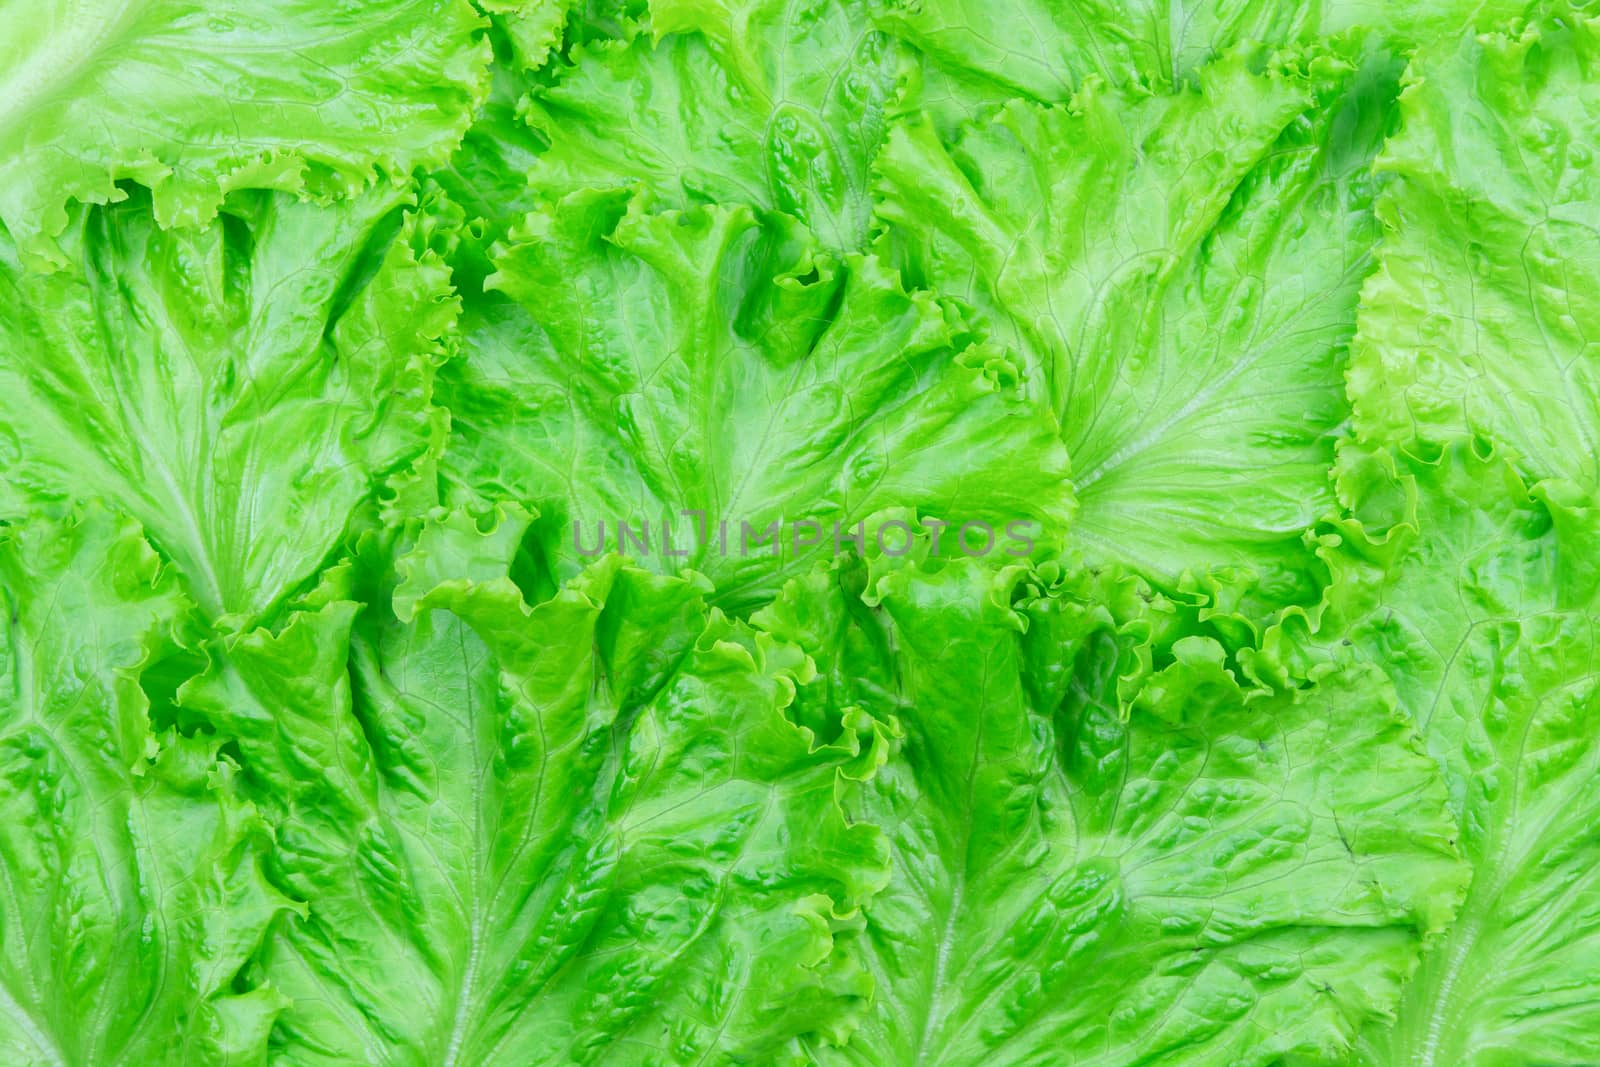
{"x":1045,"y":51}
{"x":531,"y":28}
{"x":760,"y":102}
{"x":132,"y":892}
{"x":1483,"y":316}
{"x":238,"y":389}
{"x":577,"y":832}
{"x":488,"y":179}
{"x":633,"y":366}
{"x":488,"y":175}
{"x":1210,"y":877}
{"x":299,"y":95}
{"x":1472,"y":607}
{"x":1178,"y":276}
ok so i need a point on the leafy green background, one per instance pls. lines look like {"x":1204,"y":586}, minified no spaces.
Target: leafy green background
{"x":322,"y":324}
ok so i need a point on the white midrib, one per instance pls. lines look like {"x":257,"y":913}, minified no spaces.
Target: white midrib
{"x":1204,"y":395}
{"x":200,"y":556}
{"x":469,"y":975}
{"x":469,"y":980}
{"x":1158,"y":432}
{"x":1485,"y":889}
{"x":200,"y":551}
{"x":1465,"y":939}
{"x":941,"y":967}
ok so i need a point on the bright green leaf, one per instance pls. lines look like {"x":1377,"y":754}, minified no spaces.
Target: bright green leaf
{"x":1479,"y":606}
{"x":194,"y":100}
{"x":1178,"y":276}
{"x":631,"y":366}
{"x":1484,"y":316}
{"x":772,"y":104}
{"x":239,"y":389}
{"x":577,"y":832}
{"x":1045,"y":51}
{"x":1210,"y":878}
{"x":131,"y":889}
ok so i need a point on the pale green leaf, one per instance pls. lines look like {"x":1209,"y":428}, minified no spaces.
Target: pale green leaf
{"x":131,"y":889}
{"x":194,"y":100}
{"x":1484,"y":318}
{"x":239,"y":389}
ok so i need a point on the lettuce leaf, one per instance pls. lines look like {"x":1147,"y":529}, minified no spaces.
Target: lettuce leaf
{"x":1178,"y":276}
{"x":1482,"y":318}
{"x":569,"y":832}
{"x":1479,"y":604}
{"x":1467,"y":571}
{"x":337,"y":728}
{"x":238,"y":389}
{"x":1045,"y":51}
{"x":1212,"y":876}
{"x":631,"y":366}
{"x":488,"y":179}
{"x":530,"y":28}
{"x":194,"y":101}
{"x":132,"y":893}
{"x":772,"y":104}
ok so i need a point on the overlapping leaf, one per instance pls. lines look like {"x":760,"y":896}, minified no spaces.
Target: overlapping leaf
{"x":1483,"y":317}
{"x":1217,"y":878}
{"x":1235,"y":763}
{"x":1478,"y":602}
{"x":1045,"y":51}
{"x":131,"y":889}
{"x":1178,"y":275}
{"x":239,"y":389}
{"x":581,"y":831}
{"x":194,"y":100}
{"x":760,"y":102}
{"x":634,"y":365}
